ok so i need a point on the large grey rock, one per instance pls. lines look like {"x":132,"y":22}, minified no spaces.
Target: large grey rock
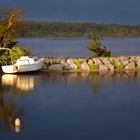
{"x":132,"y":58}
{"x":90,"y":61}
{"x":63,"y":60}
{"x":65,"y":66}
{"x":56,"y":60}
{"x":47,"y":61}
{"x":45,"y":67}
{"x":130,"y":66}
{"x":137,"y":59}
{"x":110,"y":67}
{"x":105,"y":61}
{"x":123,"y":58}
{"x":138,"y":66}
{"x":72,"y":64}
{"x":81,"y":59}
{"x":56,"y":67}
{"x":85,"y":66}
{"x":138,"y":62}
{"x":120,"y":58}
{"x":132,"y":61}
{"x":103,"y":67}
{"x":116,"y":60}
{"x":124,"y":63}
{"x":97,"y":61}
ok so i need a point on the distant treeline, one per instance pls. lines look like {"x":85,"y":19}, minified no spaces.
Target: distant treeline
{"x":77,"y":30}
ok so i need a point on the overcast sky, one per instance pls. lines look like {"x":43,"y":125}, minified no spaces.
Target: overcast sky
{"x":99,"y":11}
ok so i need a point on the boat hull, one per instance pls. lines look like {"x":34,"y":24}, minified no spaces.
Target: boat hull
{"x":23,"y":68}
{"x":9,"y":69}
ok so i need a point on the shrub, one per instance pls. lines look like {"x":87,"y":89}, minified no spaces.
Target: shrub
{"x":78,"y":63}
{"x":17,"y":52}
{"x":92,"y":66}
{"x":8,"y":57}
{"x":117,"y":65}
{"x":97,"y":48}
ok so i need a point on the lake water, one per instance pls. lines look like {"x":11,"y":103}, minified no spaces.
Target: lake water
{"x":77,"y":48}
{"x":68,"y":105}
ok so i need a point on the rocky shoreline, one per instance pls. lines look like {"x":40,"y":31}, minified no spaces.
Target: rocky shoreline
{"x":101,"y":64}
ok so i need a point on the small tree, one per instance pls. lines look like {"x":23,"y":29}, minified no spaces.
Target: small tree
{"x":97,"y":48}
{"x":10,"y":24}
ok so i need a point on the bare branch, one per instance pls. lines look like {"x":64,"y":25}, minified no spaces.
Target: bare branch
{"x":9,"y":26}
{"x":6,"y":49}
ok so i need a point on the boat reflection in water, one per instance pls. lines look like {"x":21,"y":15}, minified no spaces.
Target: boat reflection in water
{"x":10,"y":110}
{"x":23,"y":83}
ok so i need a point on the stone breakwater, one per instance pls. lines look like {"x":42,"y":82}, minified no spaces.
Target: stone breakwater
{"x":92,"y":64}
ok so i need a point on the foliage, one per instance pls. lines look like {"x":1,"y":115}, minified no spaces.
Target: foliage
{"x":117,"y":65}
{"x":17,"y":52}
{"x":96,"y":47}
{"x":10,"y":23}
{"x":7,"y":58}
{"x":80,"y":30}
{"x":78,"y":63}
{"x":92,"y":66}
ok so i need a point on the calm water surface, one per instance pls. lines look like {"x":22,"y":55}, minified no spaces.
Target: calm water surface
{"x":70,"y":106}
{"x":75,"y":48}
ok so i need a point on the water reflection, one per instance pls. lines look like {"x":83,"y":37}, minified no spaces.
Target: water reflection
{"x":26,"y":83}
{"x":10,"y":87}
{"x":94,"y":80}
{"x":53,"y":91}
{"x":9,"y":111}
{"x":21,"y":83}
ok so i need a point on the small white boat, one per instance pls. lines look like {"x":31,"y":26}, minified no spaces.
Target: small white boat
{"x":24,"y":64}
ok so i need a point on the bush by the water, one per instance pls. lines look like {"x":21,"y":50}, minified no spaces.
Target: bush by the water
{"x":97,"y":48}
{"x":11,"y":21}
{"x":10,"y":57}
{"x":17,"y":52}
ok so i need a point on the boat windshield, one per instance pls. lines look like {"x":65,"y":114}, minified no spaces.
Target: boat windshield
{"x":25,"y":61}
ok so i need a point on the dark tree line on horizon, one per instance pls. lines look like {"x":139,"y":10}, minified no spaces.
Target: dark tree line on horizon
{"x":77,"y":30}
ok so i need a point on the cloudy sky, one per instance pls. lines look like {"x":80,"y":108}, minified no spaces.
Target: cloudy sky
{"x":99,"y":11}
